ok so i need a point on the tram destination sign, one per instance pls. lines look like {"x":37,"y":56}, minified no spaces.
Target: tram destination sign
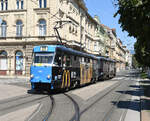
{"x":44,"y":48}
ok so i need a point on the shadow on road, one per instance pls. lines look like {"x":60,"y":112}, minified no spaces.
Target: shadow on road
{"x":135,"y":92}
{"x":136,"y":104}
{"x":132,"y":105}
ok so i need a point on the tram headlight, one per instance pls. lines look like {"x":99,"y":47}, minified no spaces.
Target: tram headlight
{"x":31,"y":76}
{"x":48,"y":76}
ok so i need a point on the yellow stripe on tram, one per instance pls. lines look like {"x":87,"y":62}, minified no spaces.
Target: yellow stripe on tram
{"x":64,"y":73}
{"x":66,"y":80}
{"x":68,"y":73}
{"x":39,"y":64}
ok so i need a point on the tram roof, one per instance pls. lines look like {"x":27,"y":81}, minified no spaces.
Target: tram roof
{"x":52,"y":48}
{"x":104,"y":58}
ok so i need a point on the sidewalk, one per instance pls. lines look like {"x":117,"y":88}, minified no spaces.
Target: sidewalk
{"x":13,"y":79}
{"x":10,"y":91}
{"x":145,"y":100}
{"x":133,"y":112}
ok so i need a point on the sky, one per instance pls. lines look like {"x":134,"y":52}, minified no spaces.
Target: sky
{"x":105,"y":10}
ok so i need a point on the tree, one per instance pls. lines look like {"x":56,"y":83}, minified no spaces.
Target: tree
{"x":135,"y":19}
{"x":135,"y":64}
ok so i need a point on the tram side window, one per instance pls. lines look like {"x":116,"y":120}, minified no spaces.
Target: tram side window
{"x":82,"y":59}
{"x":58,"y":60}
{"x":68,"y":61}
{"x":85,"y":60}
{"x":74,"y":61}
{"x":64,"y":61}
{"x":75,"y":58}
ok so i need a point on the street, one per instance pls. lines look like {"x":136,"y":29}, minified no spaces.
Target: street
{"x":117,"y":99}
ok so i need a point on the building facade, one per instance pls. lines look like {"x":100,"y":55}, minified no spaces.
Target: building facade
{"x":27,"y":23}
{"x":100,"y":37}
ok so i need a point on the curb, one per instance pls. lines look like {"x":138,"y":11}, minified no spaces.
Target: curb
{"x":144,"y":116}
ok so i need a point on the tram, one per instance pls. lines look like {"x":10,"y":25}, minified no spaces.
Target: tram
{"x":59,"y":67}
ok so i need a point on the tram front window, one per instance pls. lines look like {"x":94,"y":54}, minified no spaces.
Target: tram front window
{"x":46,"y":58}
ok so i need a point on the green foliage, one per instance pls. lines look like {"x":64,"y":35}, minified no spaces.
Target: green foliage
{"x":127,"y":64}
{"x":144,"y":75}
{"x":135,"y":63}
{"x":135,"y":19}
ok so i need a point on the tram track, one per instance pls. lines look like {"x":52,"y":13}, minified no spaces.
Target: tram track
{"x":15,"y":98}
{"x":77,"y":113}
{"x":76,"y":116}
{"x":28,"y":100}
{"x":109,"y":113}
{"x":19,"y":103}
{"x":117,"y":100}
{"x":100,"y":98}
{"x":50,"y":109}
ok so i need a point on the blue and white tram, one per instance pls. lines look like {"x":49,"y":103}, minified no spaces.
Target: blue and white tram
{"x":58,"y":67}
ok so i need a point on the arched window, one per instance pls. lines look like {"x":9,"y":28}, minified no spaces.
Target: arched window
{"x":19,"y":28}
{"x":42,"y":3}
{"x":3,"y":29}
{"x":19,"y":62}
{"x":3,"y":54}
{"x":42,"y":27}
{"x":3,"y":62}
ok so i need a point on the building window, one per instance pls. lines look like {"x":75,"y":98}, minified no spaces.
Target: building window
{"x":45,"y":3}
{"x":3,"y":29}
{"x":20,"y":4}
{"x":42,"y":27}
{"x":3,"y":63}
{"x":42,"y":3}
{"x":95,"y":46}
{"x":4,"y":4}
{"x":19,"y":28}
{"x":18,"y":62}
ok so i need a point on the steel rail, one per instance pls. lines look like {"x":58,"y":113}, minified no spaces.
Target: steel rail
{"x":15,"y":98}
{"x":50,"y":110}
{"x":104,"y":95}
{"x":11,"y":106}
{"x":76,"y":116}
{"x":109,"y":113}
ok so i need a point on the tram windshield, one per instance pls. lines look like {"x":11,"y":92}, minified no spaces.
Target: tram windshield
{"x":46,"y":58}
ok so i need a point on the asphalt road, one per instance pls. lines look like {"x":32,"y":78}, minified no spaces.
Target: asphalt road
{"x":110,"y":100}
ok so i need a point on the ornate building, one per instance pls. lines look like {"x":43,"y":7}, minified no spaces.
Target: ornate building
{"x":26,"y":23}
